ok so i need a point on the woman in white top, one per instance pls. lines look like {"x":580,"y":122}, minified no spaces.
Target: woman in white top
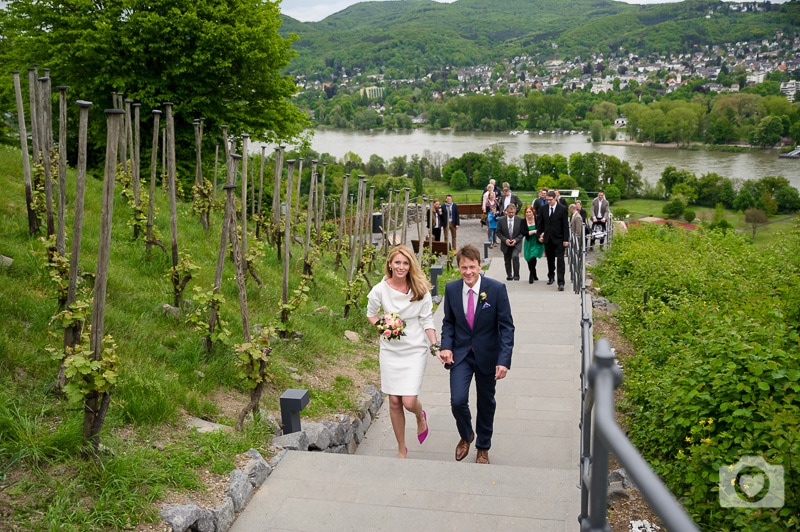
{"x":404,"y":291}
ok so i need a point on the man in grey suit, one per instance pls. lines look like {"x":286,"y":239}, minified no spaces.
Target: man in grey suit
{"x":511,"y":229}
{"x":554,"y":234}
{"x":507,"y":198}
{"x":477,"y":341}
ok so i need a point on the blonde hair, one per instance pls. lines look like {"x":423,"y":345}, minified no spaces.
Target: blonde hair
{"x":416,"y":278}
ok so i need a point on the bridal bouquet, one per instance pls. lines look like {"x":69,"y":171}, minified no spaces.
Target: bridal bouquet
{"x":390,"y":326}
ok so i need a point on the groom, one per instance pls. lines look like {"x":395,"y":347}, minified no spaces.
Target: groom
{"x":477,"y":341}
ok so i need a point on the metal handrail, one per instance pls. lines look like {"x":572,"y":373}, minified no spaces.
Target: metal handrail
{"x":600,"y":375}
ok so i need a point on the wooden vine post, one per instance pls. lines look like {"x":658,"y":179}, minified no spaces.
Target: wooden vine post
{"x":216,"y":165}
{"x":230,"y":209}
{"x":46,"y":144}
{"x":297,"y":198}
{"x":342,"y":221}
{"x":199,"y":193}
{"x":150,"y":238}
{"x":96,"y":402}
{"x":173,"y":209}
{"x":33,"y":105}
{"x":420,"y":226}
{"x":136,"y":167}
{"x":321,"y":209}
{"x":260,"y":220}
{"x":275,"y":234}
{"x":287,"y":239}
{"x":245,"y":147}
{"x":355,"y":240}
{"x":62,"y":170}
{"x":405,"y":218}
{"x":238,"y":257}
{"x":72,"y":333}
{"x":33,"y":221}
{"x":309,"y":219}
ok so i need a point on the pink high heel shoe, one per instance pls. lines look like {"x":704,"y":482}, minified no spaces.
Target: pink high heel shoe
{"x":421,"y":437}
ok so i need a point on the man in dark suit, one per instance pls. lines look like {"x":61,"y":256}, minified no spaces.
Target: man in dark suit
{"x":450,"y":210}
{"x":511,"y":229}
{"x":477,"y":341}
{"x":554,"y":234}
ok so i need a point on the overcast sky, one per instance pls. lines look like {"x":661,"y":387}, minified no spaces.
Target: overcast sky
{"x":315,"y":10}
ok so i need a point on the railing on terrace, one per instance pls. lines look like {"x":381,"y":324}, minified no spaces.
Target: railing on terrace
{"x":600,"y":434}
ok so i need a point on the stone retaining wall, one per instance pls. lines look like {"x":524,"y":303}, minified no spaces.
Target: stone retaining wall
{"x":340,"y":436}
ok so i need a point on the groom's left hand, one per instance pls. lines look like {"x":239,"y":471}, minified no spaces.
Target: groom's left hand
{"x":500,"y":372}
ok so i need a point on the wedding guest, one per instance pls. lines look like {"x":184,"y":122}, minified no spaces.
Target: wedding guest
{"x":511,"y":230}
{"x":452,"y":221}
{"x":490,"y":208}
{"x":554,"y":234}
{"x":533,"y":248}
{"x":599,"y":215}
{"x":435,"y":219}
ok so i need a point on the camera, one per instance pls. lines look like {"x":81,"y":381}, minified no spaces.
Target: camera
{"x":751,"y":483}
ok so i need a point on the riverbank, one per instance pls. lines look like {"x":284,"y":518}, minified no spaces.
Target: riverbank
{"x":695,"y":146}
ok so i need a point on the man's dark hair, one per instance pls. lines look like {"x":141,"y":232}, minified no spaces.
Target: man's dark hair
{"x":468,"y":252}
{"x":551,"y":193}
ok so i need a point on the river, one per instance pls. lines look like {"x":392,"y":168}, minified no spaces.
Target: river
{"x":388,"y":144}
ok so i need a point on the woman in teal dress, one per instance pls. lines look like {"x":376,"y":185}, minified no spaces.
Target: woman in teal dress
{"x":533,"y":249}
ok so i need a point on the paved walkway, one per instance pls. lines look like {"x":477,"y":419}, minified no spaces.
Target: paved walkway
{"x":531,"y":483}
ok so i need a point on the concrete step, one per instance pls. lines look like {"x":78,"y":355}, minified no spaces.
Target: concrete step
{"x":320,"y":491}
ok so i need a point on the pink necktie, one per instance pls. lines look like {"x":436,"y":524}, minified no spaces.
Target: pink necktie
{"x":471,"y":308}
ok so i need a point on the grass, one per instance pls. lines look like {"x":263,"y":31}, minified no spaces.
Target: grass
{"x":764,"y":234}
{"x":45,"y":480}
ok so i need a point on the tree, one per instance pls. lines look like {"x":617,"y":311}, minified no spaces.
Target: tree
{"x":417,"y":179}
{"x":458,"y":180}
{"x":597,"y":130}
{"x":222,"y":61}
{"x":768,"y":132}
{"x":755,"y":217}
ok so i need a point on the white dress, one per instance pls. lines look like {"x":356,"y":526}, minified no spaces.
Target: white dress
{"x":402,"y":360}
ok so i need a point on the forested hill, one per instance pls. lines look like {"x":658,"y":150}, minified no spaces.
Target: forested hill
{"x":409,"y":37}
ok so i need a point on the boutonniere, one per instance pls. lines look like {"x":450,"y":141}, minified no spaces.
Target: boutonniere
{"x":482,"y":299}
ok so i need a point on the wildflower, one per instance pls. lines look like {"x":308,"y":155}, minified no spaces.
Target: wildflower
{"x":688,"y":439}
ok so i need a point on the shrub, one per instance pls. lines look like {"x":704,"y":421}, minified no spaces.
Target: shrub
{"x":620,"y":213}
{"x":458,"y":181}
{"x":689,"y":216}
{"x":715,"y":374}
{"x":613,"y":194}
{"x":674,"y":208}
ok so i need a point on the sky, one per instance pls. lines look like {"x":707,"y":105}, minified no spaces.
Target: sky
{"x":316,"y":10}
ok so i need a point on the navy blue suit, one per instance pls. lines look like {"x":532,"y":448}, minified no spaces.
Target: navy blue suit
{"x":476,"y":352}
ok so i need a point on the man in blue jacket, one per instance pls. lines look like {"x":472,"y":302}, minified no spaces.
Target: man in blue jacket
{"x":477,"y":341}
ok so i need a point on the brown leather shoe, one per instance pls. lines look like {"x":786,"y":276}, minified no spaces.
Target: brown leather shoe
{"x":462,"y":449}
{"x":483,"y":456}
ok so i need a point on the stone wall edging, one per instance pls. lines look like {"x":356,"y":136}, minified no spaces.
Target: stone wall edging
{"x":341,"y":436}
